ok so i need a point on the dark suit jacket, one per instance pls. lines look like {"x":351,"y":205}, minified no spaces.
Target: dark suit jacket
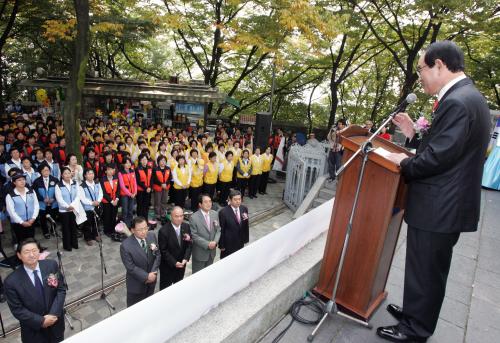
{"x":139,"y":264}
{"x":171,"y":251}
{"x":445,"y":175}
{"x":28,"y":308}
{"x":233,"y":235}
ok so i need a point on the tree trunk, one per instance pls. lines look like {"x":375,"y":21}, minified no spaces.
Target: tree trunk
{"x":3,"y":40}
{"x":73,"y":103}
{"x":334,"y":103}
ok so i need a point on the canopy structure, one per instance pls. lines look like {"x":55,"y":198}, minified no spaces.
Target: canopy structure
{"x":133,"y":89}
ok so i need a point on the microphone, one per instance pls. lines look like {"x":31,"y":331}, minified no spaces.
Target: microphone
{"x":96,"y":215}
{"x":50,"y":219}
{"x":410,"y":99}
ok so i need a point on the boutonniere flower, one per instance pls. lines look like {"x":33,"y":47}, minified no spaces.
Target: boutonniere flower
{"x":244,"y":216}
{"x":52,"y":280}
{"x":153,"y":247}
{"x":421,"y":126}
{"x":186,"y":237}
{"x":216,"y":223}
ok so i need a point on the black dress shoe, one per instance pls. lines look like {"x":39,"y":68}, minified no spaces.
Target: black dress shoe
{"x":392,"y":333}
{"x":395,"y":311}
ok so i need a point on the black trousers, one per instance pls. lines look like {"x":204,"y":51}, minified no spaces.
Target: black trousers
{"x":89,"y":227}
{"x":263,"y":182}
{"x":42,"y":217}
{"x":254,"y":184}
{"x":169,"y":276}
{"x":428,"y":259}
{"x":143,"y":203}
{"x":209,"y":189}
{"x":194,"y":193}
{"x":109,"y":217}
{"x":69,"y":230}
{"x":180,"y":197}
{"x":242,"y":185}
{"x":224,"y":192}
{"x":22,"y":232}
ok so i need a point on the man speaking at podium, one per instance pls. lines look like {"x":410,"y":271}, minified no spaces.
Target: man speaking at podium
{"x":444,"y":187}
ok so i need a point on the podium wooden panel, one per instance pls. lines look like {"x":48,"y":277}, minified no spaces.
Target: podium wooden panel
{"x":375,"y":230}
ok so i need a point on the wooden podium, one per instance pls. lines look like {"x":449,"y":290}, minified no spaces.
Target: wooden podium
{"x":376,"y":225}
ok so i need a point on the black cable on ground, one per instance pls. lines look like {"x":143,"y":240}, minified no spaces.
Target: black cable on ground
{"x":314,"y":304}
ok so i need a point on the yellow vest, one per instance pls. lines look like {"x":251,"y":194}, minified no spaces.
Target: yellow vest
{"x":256,"y":164}
{"x":227,"y":173}
{"x":245,"y":168}
{"x":211,"y":174}
{"x":182,"y":175}
{"x":172,"y":163}
{"x":197,"y":173}
{"x":266,"y":162}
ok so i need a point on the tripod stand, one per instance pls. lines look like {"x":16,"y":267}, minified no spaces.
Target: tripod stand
{"x":330,"y":307}
{"x":103,"y":295}
{"x":52,"y":227}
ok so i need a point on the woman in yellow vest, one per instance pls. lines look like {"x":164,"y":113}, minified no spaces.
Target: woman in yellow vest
{"x":226,"y":168}
{"x":256,"y":162}
{"x":243,"y":171}
{"x":197,"y":166}
{"x":182,"y":179}
{"x":210,"y":175}
{"x":267,"y":160}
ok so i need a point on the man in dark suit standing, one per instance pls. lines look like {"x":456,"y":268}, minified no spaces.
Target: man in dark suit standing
{"x":174,"y":239}
{"x":444,"y":187}
{"x":234,"y":225}
{"x":141,"y":258}
{"x":35,"y":294}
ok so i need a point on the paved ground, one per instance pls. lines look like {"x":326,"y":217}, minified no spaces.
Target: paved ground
{"x":471,"y":310}
{"x":82,"y":266}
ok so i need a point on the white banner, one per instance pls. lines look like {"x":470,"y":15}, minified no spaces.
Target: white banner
{"x":164,"y":314}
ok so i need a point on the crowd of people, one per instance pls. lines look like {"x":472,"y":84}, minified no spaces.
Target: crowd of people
{"x":126,"y":168}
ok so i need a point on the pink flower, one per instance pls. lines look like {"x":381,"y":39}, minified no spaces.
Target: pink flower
{"x":52,"y":281}
{"x":421,"y":126}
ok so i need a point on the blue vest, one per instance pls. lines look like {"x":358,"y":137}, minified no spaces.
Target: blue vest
{"x":90,"y":193}
{"x":23,"y":209}
{"x":68,"y":196}
{"x":30,"y":180}
{"x":42,"y":193}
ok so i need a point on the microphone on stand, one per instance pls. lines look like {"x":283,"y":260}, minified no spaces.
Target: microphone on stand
{"x":410,"y":99}
{"x":96,"y":215}
{"x":50,"y":219}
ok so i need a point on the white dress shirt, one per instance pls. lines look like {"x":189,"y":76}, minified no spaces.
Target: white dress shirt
{"x":450,"y":84}
{"x":31,"y":275}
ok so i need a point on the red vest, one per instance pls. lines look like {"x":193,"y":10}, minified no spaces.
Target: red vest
{"x":162,"y":176}
{"x":108,"y":190}
{"x":128,"y":182}
{"x":144,"y":177}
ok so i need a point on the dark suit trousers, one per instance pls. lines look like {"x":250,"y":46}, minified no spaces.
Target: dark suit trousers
{"x":169,"y":276}
{"x":143,"y":202}
{"x":428,"y":259}
{"x":22,"y":232}
{"x":254,"y":184}
{"x":194,"y":193}
{"x":134,"y":298}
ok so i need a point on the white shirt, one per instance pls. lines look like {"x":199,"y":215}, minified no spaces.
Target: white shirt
{"x":140,"y":241}
{"x":31,"y":275}
{"x":237,"y":213}
{"x":177,"y":230}
{"x":9,"y":204}
{"x":46,"y":182}
{"x":450,"y":84}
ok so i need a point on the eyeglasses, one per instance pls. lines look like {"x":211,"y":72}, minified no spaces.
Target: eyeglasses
{"x":419,"y":69}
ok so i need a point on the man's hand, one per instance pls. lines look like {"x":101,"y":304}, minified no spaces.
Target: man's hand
{"x":151,"y":278}
{"x":405,"y":124}
{"x":184,"y":262}
{"x":179,"y":265}
{"x":396,"y":157}
{"x":212,"y":245}
{"x":49,"y":320}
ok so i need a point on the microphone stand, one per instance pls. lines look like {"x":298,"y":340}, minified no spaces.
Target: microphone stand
{"x":331,"y":306}
{"x":67,"y":315}
{"x":103,"y":295}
